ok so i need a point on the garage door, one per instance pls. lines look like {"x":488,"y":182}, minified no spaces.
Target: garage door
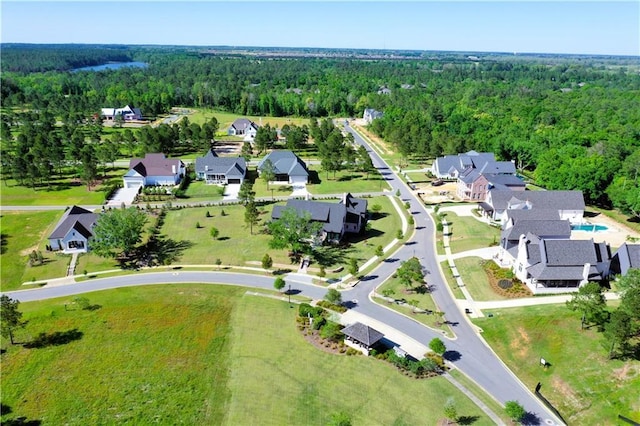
{"x":298,"y":179}
{"x":230,"y":181}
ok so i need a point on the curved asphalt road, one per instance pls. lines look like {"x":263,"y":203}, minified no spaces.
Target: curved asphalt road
{"x":469,"y":352}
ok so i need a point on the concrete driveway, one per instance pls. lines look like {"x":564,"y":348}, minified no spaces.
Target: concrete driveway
{"x":231,"y":191}
{"x":299,"y":190}
{"x":123,"y":195}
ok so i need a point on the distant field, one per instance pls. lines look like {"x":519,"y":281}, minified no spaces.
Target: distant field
{"x":195,"y":354}
{"x":581,"y":382}
{"x":225,"y":119}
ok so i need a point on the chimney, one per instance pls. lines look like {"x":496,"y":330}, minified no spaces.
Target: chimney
{"x":173,"y":169}
{"x":206,"y":168}
{"x":585,"y":273}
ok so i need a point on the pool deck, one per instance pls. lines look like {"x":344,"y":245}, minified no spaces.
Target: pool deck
{"x":615,"y":235}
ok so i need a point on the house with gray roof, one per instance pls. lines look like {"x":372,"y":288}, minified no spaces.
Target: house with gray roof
{"x":288,"y":167}
{"x":243,"y":127}
{"x":625,"y":258}
{"x":560,"y":265}
{"x":347,"y":216}
{"x":220,"y":170}
{"x":73,"y":231}
{"x":362,"y":337}
{"x":450,"y":166}
{"x":568,"y":204}
{"x":127,"y":113}
{"x":154,"y":170}
{"x":371,"y":114}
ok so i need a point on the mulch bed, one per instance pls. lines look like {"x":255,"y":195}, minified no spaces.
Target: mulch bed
{"x":517,"y":290}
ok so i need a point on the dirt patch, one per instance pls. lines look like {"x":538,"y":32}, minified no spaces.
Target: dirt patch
{"x":569,"y":396}
{"x":520,"y":346}
{"x":626,"y":372}
{"x":26,"y":251}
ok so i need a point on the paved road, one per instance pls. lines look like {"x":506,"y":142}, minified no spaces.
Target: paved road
{"x":467,"y":351}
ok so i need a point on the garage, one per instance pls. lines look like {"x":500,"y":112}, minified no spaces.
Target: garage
{"x":234,"y":181}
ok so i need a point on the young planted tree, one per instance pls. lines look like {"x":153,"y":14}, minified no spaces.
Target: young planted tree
{"x":251,"y":215}
{"x":10,"y":317}
{"x":333,"y":296}
{"x":246,"y":194}
{"x":279,"y":283}
{"x":450,"y":411}
{"x":379,"y":251}
{"x":515,"y":411}
{"x":214,"y":232}
{"x":353,"y":266}
{"x":267,"y":261}
{"x":268,"y":172}
{"x":438,"y":346}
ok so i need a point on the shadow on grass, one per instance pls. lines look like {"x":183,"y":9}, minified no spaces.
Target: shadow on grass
{"x":331,"y":255}
{"x":22,"y":421}
{"x":4,"y":241}
{"x":56,"y":338}
{"x":159,"y":250}
{"x":468,"y":420}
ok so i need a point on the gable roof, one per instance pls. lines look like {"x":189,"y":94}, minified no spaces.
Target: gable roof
{"x":156,"y":164}
{"x":541,"y":228}
{"x":243,"y":124}
{"x":564,"y":259}
{"x":539,"y":214}
{"x":285,"y":162}
{"x":549,"y":200}
{"x":229,"y":166}
{"x":354,"y":205}
{"x":77,"y":218}
{"x":331,"y":215}
{"x":504,"y":181}
{"x":362,"y":333}
{"x":631,"y":252}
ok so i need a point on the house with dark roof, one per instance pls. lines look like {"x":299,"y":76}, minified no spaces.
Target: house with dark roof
{"x":560,"y":265}
{"x":347,"y":216}
{"x":568,"y":204}
{"x":243,"y":127}
{"x":220,"y":170}
{"x":127,"y":113}
{"x":626,"y":257}
{"x":371,"y":114}
{"x":154,"y":170}
{"x":450,"y":166}
{"x":288,"y":167}
{"x":73,"y":231}
{"x":361,"y":337}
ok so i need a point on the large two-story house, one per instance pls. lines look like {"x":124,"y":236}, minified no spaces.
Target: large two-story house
{"x":569,"y":205}
{"x":154,"y":170}
{"x":243,"y":127}
{"x":347,"y":216}
{"x":127,"y":113}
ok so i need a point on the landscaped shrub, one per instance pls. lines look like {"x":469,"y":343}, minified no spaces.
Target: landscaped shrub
{"x":328,"y":305}
{"x":331,"y":331}
{"x":305,"y":309}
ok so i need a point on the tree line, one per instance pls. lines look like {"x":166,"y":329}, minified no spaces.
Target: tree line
{"x":567,"y":122}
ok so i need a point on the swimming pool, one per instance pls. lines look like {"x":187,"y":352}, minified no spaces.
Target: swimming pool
{"x":589,"y":227}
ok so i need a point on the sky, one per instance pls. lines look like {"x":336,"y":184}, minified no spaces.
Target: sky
{"x":574,"y":27}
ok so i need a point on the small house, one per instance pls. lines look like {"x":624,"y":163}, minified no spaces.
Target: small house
{"x":73,"y":231}
{"x":220,"y":170}
{"x":154,"y":170}
{"x":288,"y":167}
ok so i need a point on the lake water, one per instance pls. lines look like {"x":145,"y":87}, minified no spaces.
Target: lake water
{"x":112,"y":66}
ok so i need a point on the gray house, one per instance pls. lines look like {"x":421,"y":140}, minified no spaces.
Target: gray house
{"x":73,"y":231}
{"x":347,"y":216}
{"x":625,"y":258}
{"x":288,"y":167}
{"x":451,"y":166}
{"x":371,"y":114}
{"x":220,"y":170}
{"x":243,"y":127}
{"x":560,"y":265}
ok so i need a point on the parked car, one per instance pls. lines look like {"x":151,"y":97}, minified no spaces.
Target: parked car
{"x":437,"y":182}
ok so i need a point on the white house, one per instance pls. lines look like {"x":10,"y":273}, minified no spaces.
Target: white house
{"x":73,"y":231}
{"x":243,"y":127}
{"x":128,"y":113}
{"x":154,"y":170}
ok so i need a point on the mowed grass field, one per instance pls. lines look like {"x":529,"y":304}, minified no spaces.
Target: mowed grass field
{"x":237,"y":246}
{"x":195,"y":354}
{"x":475,"y":279}
{"x":469,"y":233}
{"x":22,"y":232}
{"x":225,"y":119}
{"x":585,"y":386}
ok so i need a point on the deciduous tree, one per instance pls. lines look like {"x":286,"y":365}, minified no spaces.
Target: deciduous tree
{"x":10,"y":317}
{"x":117,"y":232}
{"x":410,"y":272}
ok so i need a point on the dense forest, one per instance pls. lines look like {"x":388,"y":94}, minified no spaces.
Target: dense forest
{"x":573,"y":123}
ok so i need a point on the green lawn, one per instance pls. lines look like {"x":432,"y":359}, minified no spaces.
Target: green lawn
{"x":469,"y":233}
{"x":475,"y":279}
{"x":225,"y":119}
{"x":582,"y":383}
{"x":23,"y":232}
{"x":278,"y":378}
{"x":200,"y":191}
{"x":425,"y":302}
{"x":61,"y":192}
{"x":236,"y":246}
{"x":195,"y":354}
